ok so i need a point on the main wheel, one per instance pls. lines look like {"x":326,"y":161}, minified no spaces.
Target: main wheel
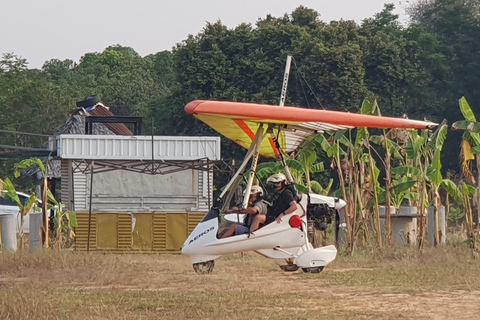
{"x":204,"y":267}
{"x":289,"y":267}
{"x":312,"y":270}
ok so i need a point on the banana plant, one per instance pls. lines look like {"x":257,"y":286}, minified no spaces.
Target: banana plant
{"x":64,"y":222}
{"x":24,"y":208}
{"x":301,"y":172}
{"x":391,"y":149}
{"x":434,"y":173}
{"x":350,"y":154}
{"x":470,"y":152}
{"x":467,"y":192}
{"x":402,"y":186}
{"x":17,"y":172}
{"x":339,"y":149}
{"x":308,"y":165}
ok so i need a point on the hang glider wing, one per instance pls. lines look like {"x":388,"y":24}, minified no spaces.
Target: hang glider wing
{"x":238,"y":121}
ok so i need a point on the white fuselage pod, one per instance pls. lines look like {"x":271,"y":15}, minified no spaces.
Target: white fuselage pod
{"x":332,"y":202}
{"x":318,"y":257}
{"x":203,"y":245}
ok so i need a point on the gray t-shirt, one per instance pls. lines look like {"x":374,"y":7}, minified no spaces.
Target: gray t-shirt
{"x":262,"y":209}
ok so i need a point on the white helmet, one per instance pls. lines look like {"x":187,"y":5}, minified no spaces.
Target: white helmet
{"x":277,"y":177}
{"x":255,"y":190}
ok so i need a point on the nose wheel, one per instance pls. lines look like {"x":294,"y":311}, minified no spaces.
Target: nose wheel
{"x":204,"y":267}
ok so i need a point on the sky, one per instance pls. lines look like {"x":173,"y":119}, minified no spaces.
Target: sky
{"x":40,"y":30}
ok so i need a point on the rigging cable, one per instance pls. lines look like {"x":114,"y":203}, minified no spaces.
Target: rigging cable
{"x":303,"y":77}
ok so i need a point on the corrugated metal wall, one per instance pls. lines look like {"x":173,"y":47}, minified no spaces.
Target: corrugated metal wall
{"x":205,"y":190}
{"x":66,"y":184}
{"x":142,"y":232}
{"x":81,"y":191}
{"x":189,"y":190}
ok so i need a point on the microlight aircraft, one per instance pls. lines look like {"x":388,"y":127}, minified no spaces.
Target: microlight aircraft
{"x":271,"y":131}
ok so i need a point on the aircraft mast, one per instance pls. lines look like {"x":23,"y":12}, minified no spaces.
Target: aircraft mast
{"x":283,"y":97}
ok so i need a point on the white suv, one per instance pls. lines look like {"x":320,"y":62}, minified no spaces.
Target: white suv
{"x":9,"y":207}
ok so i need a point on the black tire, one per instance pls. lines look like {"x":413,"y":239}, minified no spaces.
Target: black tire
{"x":89,"y":101}
{"x":313,"y":270}
{"x":289,"y":267}
{"x":204,"y":267}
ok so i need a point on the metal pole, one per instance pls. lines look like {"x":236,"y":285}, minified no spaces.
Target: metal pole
{"x":90,"y":207}
{"x":259,"y":136}
{"x":283,"y":97}
{"x":208,"y":184}
{"x":153,"y":157}
{"x":45,"y":209}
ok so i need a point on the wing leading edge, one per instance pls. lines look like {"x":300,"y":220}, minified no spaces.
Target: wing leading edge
{"x":238,"y":121}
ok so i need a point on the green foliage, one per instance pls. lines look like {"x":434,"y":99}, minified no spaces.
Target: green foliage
{"x":64,"y":222}
{"x":452,"y":189}
{"x":456,"y":215}
{"x":408,"y":171}
{"x":9,"y":192}
{"x":26,"y":164}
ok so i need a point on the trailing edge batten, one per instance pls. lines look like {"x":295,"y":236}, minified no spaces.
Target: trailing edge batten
{"x":238,"y":121}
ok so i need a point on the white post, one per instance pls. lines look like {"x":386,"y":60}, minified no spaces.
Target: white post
{"x":35,"y":237}
{"x":9,"y":231}
{"x":441,"y":224}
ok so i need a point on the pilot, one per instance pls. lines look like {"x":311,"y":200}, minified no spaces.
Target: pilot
{"x":256,"y":208}
{"x":286,"y":201}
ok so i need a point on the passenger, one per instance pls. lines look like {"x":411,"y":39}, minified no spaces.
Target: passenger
{"x":256,"y":207}
{"x":286,"y":201}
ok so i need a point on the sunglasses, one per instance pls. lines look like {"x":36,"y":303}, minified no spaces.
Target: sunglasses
{"x":275,"y":183}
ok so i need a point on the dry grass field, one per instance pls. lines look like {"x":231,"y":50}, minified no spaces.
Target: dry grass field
{"x":391,"y":283}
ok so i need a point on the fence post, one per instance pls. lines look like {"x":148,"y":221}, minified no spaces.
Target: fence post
{"x":441,"y":225}
{"x":35,"y":237}
{"x":9,"y":231}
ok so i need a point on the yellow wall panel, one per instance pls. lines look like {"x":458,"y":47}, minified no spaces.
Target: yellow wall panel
{"x":124,"y":231}
{"x":142,"y":237}
{"x":193,"y":220}
{"x":157,"y":231}
{"x":81,"y":232}
{"x":107,"y":226}
{"x":176,"y":230}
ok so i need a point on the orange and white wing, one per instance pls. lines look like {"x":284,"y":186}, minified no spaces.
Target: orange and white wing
{"x":238,"y":121}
